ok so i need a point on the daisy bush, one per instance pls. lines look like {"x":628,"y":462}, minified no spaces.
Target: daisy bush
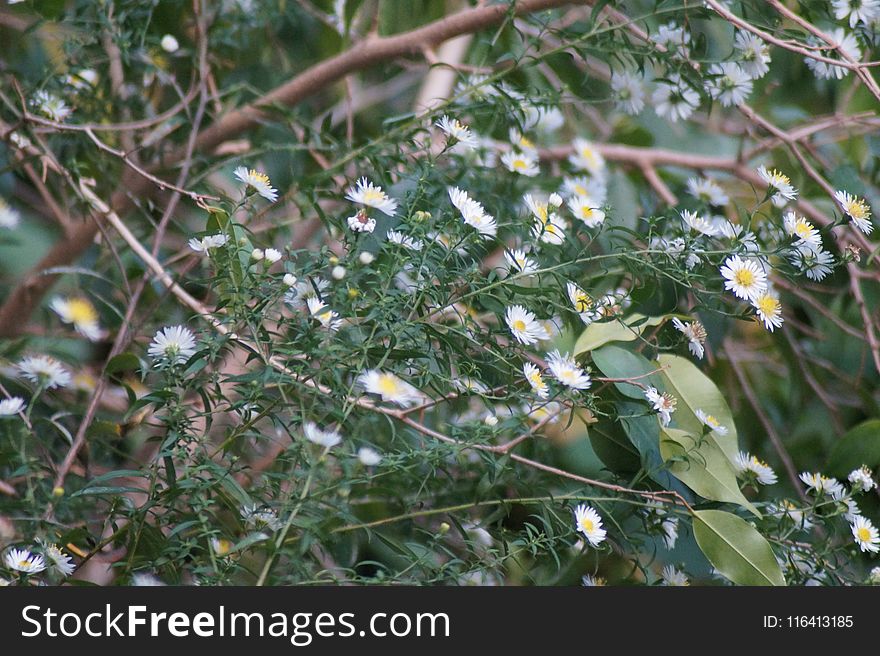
{"x":355,"y":292}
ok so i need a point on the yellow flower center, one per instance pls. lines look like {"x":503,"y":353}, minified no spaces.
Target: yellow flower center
{"x":387,"y":385}
{"x":857,"y":209}
{"x":81,"y":312}
{"x":519,"y":325}
{"x":777,"y":178}
{"x":589,"y":155}
{"x":259,"y":177}
{"x":745,"y":277}
{"x":537,"y":381}
{"x":803,"y":229}
{"x":582,"y":302}
{"x":714,"y":423}
{"x":373,"y":195}
{"x":223,"y":546}
{"x":864,"y":534}
{"x":520,"y":165}
{"x":526,"y":143}
{"x":580,"y":190}
{"x":586,"y":212}
{"x":768,"y":304}
{"x":587,"y":524}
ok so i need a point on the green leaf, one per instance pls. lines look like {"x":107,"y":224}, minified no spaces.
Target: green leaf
{"x":122,"y":362}
{"x":622,"y":330}
{"x":702,"y":466}
{"x":616,"y":362}
{"x":615,"y":451}
{"x":644,"y":433}
{"x":696,"y":391}
{"x":859,"y":446}
{"x":736,"y":549}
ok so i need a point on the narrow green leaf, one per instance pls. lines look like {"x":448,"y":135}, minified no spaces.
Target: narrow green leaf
{"x":736,"y":549}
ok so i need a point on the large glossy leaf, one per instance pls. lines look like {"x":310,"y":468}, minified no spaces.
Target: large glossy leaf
{"x":702,"y":466}
{"x":616,"y":362}
{"x":643,"y":432}
{"x":696,"y":391}
{"x":859,"y":446}
{"x":736,"y":549}
{"x":627,"y":329}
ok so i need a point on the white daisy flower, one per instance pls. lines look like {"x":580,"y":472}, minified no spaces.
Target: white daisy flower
{"x":754,"y":54}
{"x":367,"y":194}
{"x":587,"y":158}
{"x":848,"y":45}
{"x":169,"y":44}
{"x":749,"y":465}
{"x":328,"y":319}
{"x":58,"y":560}
{"x":856,"y":209}
{"x":628,"y":91}
{"x":664,"y":404}
{"x":551,"y":231}
{"x":299,"y":296}
{"x":172,"y":345}
{"x":745,"y":278}
{"x":699,"y":223}
{"x":51,"y":106}
{"x":205,"y":244}
{"x":780,"y":182}
{"x":674,"y":99}
{"x":11,"y":406}
{"x":467,"y":385}
{"x":545,"y":120}
{"x":815,"y":263}
{"x":874,"y":576}
{"x":389,"y":387}
{"x":257,"y":254}
{"x":406,"y":241}
{"x":261,"y":517}
{"x":456,"y":132}
{"x":589,"y":522}
{"x":22,"y":560}
{"x":866,"y":534}
{"x":221,"y":547}
{"x":145,"y":579}
{"x":338,"y":272}
{"x":524,"y":326}
{"x":821,"y":484}
{"x":862,"y":479}
{"x":673,"y":37}
{"x":520,"y":262}
{"x":731,"y":85}
{"x":9,"y":217}
{"x":707,"y":191}
{"x":271,"y":255}
{"x":366,"y":258}
{"x":81,"y":313}
{"x":326,"y":438}
{"x":535,"y":380}
{"x":695,"y":333}
{"x":710,"y":421}
{"x":45,"y":371}
{"x":522,"y":162}
{"x":786,"y":509}
{"x":552,"y":326}
{"x":567,"y":372}
{"x":672,"y":577}
{"x":259,"y":182}
{"x":595,"y":188}
{"x":369,"y":457}
{"x":769,"y":309}
{"x":361,"y":222}
{"x":801,"y":229}
{"x":582,"y":303}
{"x":590,"y":581}
{"x":864,"y":11}
{"x":587,"y":210}
{"x":472,"y":212}
{"x":19,"y":140}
